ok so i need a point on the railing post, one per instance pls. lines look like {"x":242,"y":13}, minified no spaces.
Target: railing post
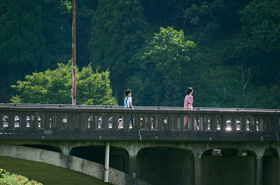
{"x":160,"y":121}
{"x":82,"y":120}
{"x":223,"y":122}
{"x":136,"y":121}
{"x":233,"y":123}
{"x":149,"y":122}
{"x":47,"y":120}
{"x":12,"y":120}
{"x":213,"y":123}
{"x":170,"y":122}
{"x":126,"y":121}
{"x":58,"y":120}
{"x":182,"y":117}
{"x":190,"y":122}
{"x":115,"y":121}
{"x":243,"y":123}
{"x":105,"y":121}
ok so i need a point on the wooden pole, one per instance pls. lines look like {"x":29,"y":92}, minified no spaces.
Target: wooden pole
{"x":74,"y":54}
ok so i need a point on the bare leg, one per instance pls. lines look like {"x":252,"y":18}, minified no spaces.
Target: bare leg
{"x":120,"y":125}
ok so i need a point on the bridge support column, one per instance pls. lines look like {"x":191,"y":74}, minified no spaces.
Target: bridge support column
{"x":197,"y":170}
{"x":259,"y":170}
{"x":65,"y":148}
{"x":106,"y":165}
{"x":278,"y":175}
{"x":132,"y":166}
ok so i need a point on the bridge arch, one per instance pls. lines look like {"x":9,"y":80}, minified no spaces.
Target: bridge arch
{"x":118,"y":156}
{"x":165,"y":165}
{"x":228,"y":166}
{"x":270,"y":166}
{"x":12,"y":154}
{"x":44,"y":147}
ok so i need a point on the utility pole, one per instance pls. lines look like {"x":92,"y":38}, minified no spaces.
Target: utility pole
{"x":74,"y":54}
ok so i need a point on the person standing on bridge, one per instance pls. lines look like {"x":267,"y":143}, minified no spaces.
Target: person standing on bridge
{"x":127,"y":105}
{"x":188,"y":105}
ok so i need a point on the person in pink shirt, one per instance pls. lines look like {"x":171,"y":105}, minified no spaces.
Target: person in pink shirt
{"x":188,"y":105}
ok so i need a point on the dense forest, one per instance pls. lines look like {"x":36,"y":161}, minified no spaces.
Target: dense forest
{"x":227,"y":50}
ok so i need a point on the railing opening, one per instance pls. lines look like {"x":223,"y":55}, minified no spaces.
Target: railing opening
{"x":52,"y":121}
{"x":110,"y":122}
{"x":98,"y":121}
{"x":40,"y":121}
{"x":229,"y":124}
{"x":154,"y":123}
{"x":142,"y":122}
{"x":5,"y":121}
{"x":17,"y":121}
{"x":64,"y":122}
{"x":165,"y":123}
{"x":89,"y":120}
{"x":248,"y":123}
{"x":218,"y":123}
{"x":238,"y":123}
{"x":258,"y":124}
{"x":208,"y":123}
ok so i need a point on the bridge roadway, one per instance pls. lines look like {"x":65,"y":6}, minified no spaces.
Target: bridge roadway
{"x":83,"y":145}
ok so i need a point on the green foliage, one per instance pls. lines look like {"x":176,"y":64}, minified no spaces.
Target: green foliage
{"x":119,"y":29}
{"x":54,"y":87}
{"x":118,"y":36}
{"x":21,"y":38}
{"x":7,"y":178}
{"x":84,"y":15}
{"x":164,"y":59}
{"x":261,"y":29}
{"x":34,"y":36}
{"x":211,"y":20}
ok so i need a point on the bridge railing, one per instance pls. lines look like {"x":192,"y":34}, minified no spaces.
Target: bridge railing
{"x":20,"y":116}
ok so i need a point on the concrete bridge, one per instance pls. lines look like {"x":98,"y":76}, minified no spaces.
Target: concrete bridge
{"x":63,"y":144}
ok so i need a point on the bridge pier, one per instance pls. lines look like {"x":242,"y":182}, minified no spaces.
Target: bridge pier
{"x":197,"y":170}
{"x":132,"y":165}
{"x":106,"y":164}
{"x":259,"y":170}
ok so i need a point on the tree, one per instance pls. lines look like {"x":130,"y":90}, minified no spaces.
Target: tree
{"x":85,"y":11}
{"x":54,"y":87}
{"x":22,"y":42}
{"x":57,"y":31}
{"x":212,"y":20}
{"x":34,"y":36}
{"x":119,"y":29}
{"x":259,"y":47}
{"x":261,"y":28}
{"x":162,"y":65}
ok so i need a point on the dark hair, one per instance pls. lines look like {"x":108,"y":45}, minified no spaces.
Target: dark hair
{"x":127,"y":91}
{"x":189,"y":90}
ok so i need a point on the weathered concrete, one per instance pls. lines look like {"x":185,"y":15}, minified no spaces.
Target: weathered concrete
{"x":45,"y":173}
{"x":158,"y":149}
{"x":65,"y":161}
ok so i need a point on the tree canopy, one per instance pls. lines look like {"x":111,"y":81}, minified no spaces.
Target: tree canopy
{"x":54,"y":87}
{"x":148,"y":46}
{"x":119,"y":29}
{"x":163,"y":59}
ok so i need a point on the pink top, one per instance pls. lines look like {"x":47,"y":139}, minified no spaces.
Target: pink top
{"x":188,"y":100}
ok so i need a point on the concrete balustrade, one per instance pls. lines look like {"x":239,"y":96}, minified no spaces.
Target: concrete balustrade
{"x":148,"y":122}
